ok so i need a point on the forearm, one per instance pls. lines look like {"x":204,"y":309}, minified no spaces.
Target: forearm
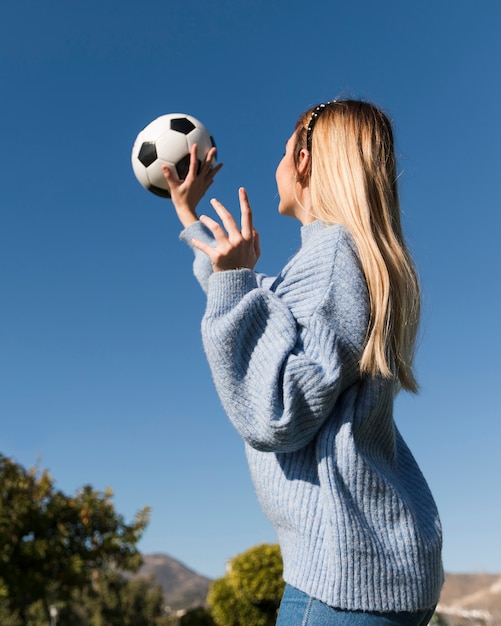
{"x":186,"y":215}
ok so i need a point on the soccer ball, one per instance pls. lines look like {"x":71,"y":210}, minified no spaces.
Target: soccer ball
{"x":167,"y":141}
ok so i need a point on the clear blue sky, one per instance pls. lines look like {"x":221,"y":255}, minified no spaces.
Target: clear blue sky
{"x":102,"y":374}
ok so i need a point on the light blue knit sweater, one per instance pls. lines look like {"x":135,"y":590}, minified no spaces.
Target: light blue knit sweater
{"x":355,"y":519}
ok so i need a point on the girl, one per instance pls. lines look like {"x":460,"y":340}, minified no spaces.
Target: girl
{"x":307,"y":365}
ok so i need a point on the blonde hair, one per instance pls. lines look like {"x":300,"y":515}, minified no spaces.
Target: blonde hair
{"x":352,"y":180}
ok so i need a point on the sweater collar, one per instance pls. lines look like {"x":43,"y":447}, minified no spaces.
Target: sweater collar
{"x":308,"y":230}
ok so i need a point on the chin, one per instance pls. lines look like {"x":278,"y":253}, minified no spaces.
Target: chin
{"x":285,"y":210}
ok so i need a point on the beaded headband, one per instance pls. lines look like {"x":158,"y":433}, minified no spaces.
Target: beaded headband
{"x":313,"y":120}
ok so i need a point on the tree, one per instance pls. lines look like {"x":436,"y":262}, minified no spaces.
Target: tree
{"x":115,"y":600}
{"x":250,"y":593}
{"x":196,"y":617}
{"x":53,"y":544}
{"x":7,"y":617}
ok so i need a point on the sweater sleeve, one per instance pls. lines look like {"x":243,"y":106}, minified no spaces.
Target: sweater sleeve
{"x":278,"y":378}
{"x":202,"y":268}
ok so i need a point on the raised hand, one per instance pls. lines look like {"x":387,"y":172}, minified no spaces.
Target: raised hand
{"x":187,"y":193}
{"x":236,"y":248}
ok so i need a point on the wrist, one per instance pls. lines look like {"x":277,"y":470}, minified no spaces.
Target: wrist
{"x":186,"y":215}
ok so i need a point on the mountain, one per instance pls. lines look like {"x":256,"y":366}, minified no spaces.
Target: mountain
{"x":471,"y":599}
{"x":183,"y":588}
{"x":466,"y":599}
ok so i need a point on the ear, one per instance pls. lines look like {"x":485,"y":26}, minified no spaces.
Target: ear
{"x":303,"y":166}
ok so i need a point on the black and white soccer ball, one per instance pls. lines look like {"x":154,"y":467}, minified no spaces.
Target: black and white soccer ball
{"x":167,"y":140}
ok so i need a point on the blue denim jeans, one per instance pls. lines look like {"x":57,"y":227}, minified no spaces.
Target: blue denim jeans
{"x":299,"y":609}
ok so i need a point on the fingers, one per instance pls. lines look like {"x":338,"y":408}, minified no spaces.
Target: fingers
{"x":219,"y":234}
{"x":227,"y":219}
{"x":193,"y":169}
{"x":170,"y":176}
{"x":208,"y":176}
{"x":233,"y":248}
{"x":209,"y":157}
{"x":247,"y":229}
{"x":204,"y":247}
{"x":246,"y":211}
{"x":214,"y":170}
{"x":211,"y":171}
{"x":205,"y":170}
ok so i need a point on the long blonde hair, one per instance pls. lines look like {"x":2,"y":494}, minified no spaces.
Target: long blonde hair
{"x":353,"y":181}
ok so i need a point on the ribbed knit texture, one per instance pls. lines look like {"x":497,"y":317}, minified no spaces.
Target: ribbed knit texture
{"x":356,"y":522}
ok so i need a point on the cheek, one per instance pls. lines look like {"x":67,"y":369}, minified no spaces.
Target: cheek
{"x":278,"y":172}
{"x":283,"y":175}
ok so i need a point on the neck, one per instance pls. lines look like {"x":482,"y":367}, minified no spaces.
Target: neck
{"x":304,"y":212}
